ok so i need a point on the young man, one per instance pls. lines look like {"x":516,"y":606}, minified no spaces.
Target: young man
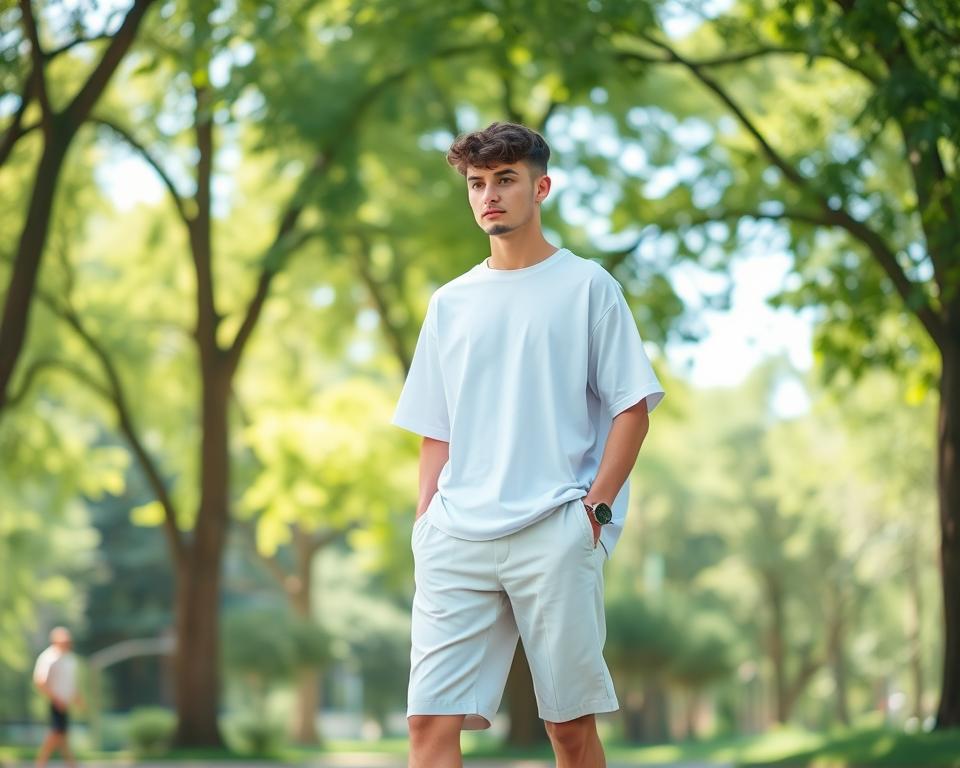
{"x":55,"y":674}
{"x":531,"y":389}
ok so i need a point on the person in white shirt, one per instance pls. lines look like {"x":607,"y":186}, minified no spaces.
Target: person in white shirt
{"x":531,"y":390}
{"x":55,"y":675}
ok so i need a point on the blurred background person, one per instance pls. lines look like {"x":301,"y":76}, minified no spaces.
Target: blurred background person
{"x":55,"y":675}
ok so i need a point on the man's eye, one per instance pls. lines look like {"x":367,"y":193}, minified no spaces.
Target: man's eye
{"x":504,"y":181}
{"x":475,"y":185}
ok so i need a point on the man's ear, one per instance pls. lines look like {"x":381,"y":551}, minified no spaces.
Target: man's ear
{"x":542,"y":189}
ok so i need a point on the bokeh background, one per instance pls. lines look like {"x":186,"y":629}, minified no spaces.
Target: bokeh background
{"x":220,"y":225}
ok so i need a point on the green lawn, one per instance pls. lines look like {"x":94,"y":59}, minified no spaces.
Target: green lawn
{"x":785,"y":748}
{"x":853,"y":748}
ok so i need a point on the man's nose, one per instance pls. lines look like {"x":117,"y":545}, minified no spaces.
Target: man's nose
{"x":491,"y":194}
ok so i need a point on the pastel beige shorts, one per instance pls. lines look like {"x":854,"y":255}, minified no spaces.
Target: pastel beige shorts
{"x":473,"y":599}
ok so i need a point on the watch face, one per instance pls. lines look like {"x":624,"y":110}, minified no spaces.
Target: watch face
{"x":602,"y":513}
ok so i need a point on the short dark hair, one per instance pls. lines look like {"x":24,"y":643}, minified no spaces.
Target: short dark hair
{"x":499,"y":143}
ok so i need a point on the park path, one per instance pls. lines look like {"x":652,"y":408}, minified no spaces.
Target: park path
{"x":362,"y":761}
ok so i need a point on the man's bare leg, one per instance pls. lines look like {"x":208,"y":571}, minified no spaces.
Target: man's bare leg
{"x":576,"y":743}
{"x":66,"y":751}
{"x":435,"y":741}
{"x":50,"y":742}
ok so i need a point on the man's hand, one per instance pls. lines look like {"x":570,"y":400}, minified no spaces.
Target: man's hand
{"x":593,"y":522}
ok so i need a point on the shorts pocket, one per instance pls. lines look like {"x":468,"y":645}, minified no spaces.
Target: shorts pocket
{"x":421,"y":521}
{"x":585,"y":525}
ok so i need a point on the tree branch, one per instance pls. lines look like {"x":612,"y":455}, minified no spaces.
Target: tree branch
{"x":912,"y":294}
{"x":153,"y":162}
{"x":39,"y":78}
{"x":283,"y":243}
{"x":280,"y":575}
{"x":114,"y":393}
{"x":31,"y":373}
{"x":119,"y":44}
{"x":295,"y":207}
{"x":319,"y":540}
{"x":15,"y":131}
{"x":740,"y":57}
{"x":74,"y":43}
{"x":394,"y":335}
{"x":547,"y":114}
{"x":199,"y":227}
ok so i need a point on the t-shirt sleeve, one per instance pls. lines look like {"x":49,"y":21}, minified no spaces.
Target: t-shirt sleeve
{"x":422,"y":407}
{"x":41,"y":670}
{"x":620,"y":371}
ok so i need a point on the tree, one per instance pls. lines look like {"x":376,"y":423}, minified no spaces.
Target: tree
{"x":58,"y":126}
{"x":873,"y":113}
{"x":330,"y":468}
{"x":185,"y":45}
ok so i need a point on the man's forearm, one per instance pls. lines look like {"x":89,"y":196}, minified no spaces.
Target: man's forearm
{"x":627,"y":433}
{"x":433,"y":456}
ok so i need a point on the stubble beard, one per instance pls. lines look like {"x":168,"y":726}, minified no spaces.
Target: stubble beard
{"x":499,"y":229}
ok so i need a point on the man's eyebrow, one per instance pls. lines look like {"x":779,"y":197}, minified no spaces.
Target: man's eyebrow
{"x":504,"y":172}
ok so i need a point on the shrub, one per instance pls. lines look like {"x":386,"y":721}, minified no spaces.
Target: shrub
{"x":151,"y":730}
{"x":257,"y":736}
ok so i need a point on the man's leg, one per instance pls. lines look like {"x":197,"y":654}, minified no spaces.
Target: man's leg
{"x":576,"y":743}
{"x":554,"y":579}
{"x":66,"y":751}
{"x":50,"y":742}
{"x":435,"y":741}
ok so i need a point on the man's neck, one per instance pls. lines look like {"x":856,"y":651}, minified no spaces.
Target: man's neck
{"x":519,"y":249}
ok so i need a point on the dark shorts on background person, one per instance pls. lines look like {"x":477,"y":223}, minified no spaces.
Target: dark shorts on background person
{"x":59,"y":720}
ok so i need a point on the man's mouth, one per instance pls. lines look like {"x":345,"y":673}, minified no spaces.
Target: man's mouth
{"x":491,"y":212}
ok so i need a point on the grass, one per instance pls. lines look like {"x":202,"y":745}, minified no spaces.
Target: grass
{"x":782,"y":748}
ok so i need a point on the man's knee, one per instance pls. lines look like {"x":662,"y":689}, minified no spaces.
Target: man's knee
{"x":425,"y":729}
{"x":572,"y":736}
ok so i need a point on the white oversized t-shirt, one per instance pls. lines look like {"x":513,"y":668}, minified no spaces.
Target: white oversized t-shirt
{"x":59,"y":671}
{"x":522,"y":372}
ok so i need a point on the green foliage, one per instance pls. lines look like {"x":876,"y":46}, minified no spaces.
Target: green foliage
{"x":343,"y":110}
{"x":257,"y":737}
{"x":258,"y":645}
{"x":372,"y":631}
{"x":150,"y":731}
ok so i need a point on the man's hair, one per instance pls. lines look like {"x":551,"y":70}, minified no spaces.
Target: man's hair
{"x":499,"y":143}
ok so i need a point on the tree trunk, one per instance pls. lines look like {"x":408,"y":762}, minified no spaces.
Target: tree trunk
{"x":308,"y":681}
{"x":692,"y":712}
{"x":26,"y":263}
{"x":526,"y":727}
{"x":197,"y":661}
{"x":948,"y":713}
{"x":308,"y":702}
{"x":915,"y":624}
{"x":838,"y":661}
{"x":777,"y":647}
{"x":631,"y":709}
{"x":198,"y":589}
{"x":656,"y":713}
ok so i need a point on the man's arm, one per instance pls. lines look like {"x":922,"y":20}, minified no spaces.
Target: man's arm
{"x":41,"y":679}
{"x":627,"y":433}
{"x":433,"y":455}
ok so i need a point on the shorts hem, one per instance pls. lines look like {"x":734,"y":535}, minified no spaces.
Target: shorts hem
{"x":593,"y":707}
{"x":474,"y":719}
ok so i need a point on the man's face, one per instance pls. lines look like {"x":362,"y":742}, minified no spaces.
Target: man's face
{"x":62,"y":640}
{"x":505,"y":197}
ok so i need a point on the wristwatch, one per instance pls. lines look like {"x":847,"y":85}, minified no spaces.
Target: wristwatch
{"x":600,"y":512}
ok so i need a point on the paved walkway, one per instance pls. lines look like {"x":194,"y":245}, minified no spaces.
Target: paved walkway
{"x":379,"y":761}
{"x":366,"y":761}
